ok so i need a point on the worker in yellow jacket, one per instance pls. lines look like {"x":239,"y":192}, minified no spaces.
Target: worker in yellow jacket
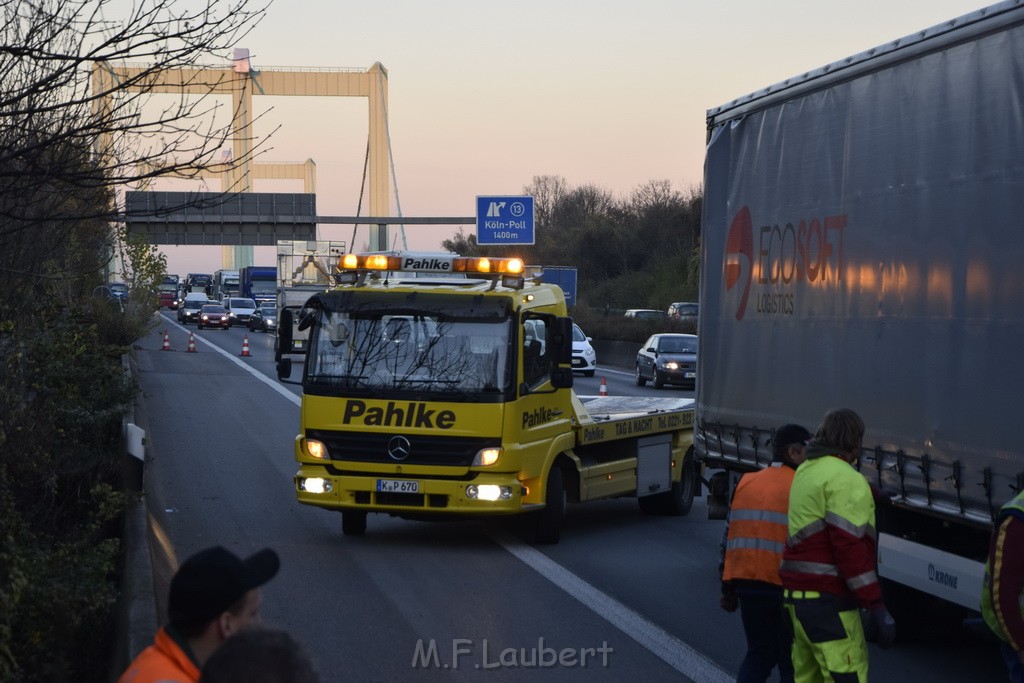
{"x":1002,"y":594}
{"x":830,"y":566}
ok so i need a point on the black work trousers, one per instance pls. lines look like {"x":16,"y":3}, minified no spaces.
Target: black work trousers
{"x":769,"y":632}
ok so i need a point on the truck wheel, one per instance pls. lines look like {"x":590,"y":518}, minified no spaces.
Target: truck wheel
{"x":677,"y":501}
{"x":549,"y":520}
{"x":353,"y":523}
{"x":640,"y":381}
{"x":680,"y":499}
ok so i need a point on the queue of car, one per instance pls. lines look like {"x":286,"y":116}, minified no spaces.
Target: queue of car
{"x":205,"y":312}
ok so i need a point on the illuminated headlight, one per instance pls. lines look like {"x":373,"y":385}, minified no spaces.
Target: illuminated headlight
{"x":315,"y":485}
{"x":316,"y":449}
{"x":671,"y":365}
{"x":206,"y":317}
{"x":488,"y":492}
{"x":486,"y":457}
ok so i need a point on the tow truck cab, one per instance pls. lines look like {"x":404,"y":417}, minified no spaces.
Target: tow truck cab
{"x":437,"y":396}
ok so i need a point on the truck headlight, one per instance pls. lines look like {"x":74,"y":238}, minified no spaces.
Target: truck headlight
{"x":314,"y":485}
{"x":486,"y":457}
{"x":489,"y":492}
{"x":316,"y":449}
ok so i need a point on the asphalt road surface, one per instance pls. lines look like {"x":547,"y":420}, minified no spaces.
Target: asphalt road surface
{"x":623,"y":596}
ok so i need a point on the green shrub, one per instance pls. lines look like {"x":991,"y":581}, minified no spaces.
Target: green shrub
{"x":62,"y":399}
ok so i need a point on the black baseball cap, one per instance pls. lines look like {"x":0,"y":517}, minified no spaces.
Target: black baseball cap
{"x":787,"y":435}
{"x":212,"y":580}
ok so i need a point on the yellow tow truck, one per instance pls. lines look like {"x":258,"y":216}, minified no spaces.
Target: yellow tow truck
{"x":439,"y":386}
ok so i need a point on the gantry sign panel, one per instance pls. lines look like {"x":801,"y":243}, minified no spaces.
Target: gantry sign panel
{"x":244,"y":218}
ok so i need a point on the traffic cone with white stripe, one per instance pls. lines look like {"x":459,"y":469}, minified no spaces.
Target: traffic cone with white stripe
{"x":245,"y":345}
{"x":191,"y":343}
{"x":167,"y":342}
{"x":603,"y":391}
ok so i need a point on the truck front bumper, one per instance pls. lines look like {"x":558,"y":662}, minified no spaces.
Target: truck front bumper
{"x":485,"y":494}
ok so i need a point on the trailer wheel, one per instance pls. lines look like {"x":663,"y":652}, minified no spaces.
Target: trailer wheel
{"x":640,"y":381}
{"x":549,"y":520}
{"x":680,"y":499}
{"x":353,"y":523}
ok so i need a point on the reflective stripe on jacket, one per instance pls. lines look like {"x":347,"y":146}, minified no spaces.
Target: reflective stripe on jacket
{"x":1002,"y":602}
{"x":165,"y":661}
{"x":832,"y":544}
{"x":758,"y":525}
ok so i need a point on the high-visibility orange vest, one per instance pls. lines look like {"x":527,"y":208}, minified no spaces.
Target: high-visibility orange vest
{"x":758,"y":525}
{"x":162,"y":662}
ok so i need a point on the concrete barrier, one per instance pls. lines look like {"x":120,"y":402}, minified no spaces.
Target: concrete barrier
{"x":137,"y":618}
{"x":617,"y":354}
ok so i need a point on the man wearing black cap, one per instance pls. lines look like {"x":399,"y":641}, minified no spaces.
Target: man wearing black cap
{"x":754,"y":540}
{"x":213,"y":595}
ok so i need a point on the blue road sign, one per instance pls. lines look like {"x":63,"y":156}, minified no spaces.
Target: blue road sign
{"x":504,"y":220}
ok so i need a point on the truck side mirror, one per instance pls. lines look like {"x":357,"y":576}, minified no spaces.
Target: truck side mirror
{"x":559,"y":341}
{"x":562,"y":378}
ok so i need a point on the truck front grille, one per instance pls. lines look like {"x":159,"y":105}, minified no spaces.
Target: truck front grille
{"x":422,"y":450}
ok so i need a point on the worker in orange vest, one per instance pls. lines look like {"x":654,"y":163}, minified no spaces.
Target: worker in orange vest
{"x":752,"y":546}
{"x":213,"y":595}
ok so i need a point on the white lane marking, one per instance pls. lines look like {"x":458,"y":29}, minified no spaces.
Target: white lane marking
{"x":662,"y":644}
{"x":252,"y":371}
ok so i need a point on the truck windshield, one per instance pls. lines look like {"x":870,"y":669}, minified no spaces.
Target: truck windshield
{"x":372,"y":349}
{"x":260,"y":286}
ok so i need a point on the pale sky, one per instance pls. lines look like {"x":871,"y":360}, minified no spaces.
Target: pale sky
{"x":484,"y":96}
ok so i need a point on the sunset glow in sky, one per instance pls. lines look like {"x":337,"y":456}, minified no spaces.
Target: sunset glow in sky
{"x":483,"y":96}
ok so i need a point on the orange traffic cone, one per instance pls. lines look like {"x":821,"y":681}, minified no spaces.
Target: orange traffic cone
{"x":603,"y":391}
{"x":245,"y":345}
{"x":167,"y":342}
{"x":191,"y":343}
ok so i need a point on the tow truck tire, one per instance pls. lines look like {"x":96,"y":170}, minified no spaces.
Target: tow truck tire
{"x":549,"y":520}
{"x":677,"y":501}
{"x":353,"y":523}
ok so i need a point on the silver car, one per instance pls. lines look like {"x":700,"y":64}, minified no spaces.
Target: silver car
{"x":240,"y":309}
{"x":265,"y":318}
